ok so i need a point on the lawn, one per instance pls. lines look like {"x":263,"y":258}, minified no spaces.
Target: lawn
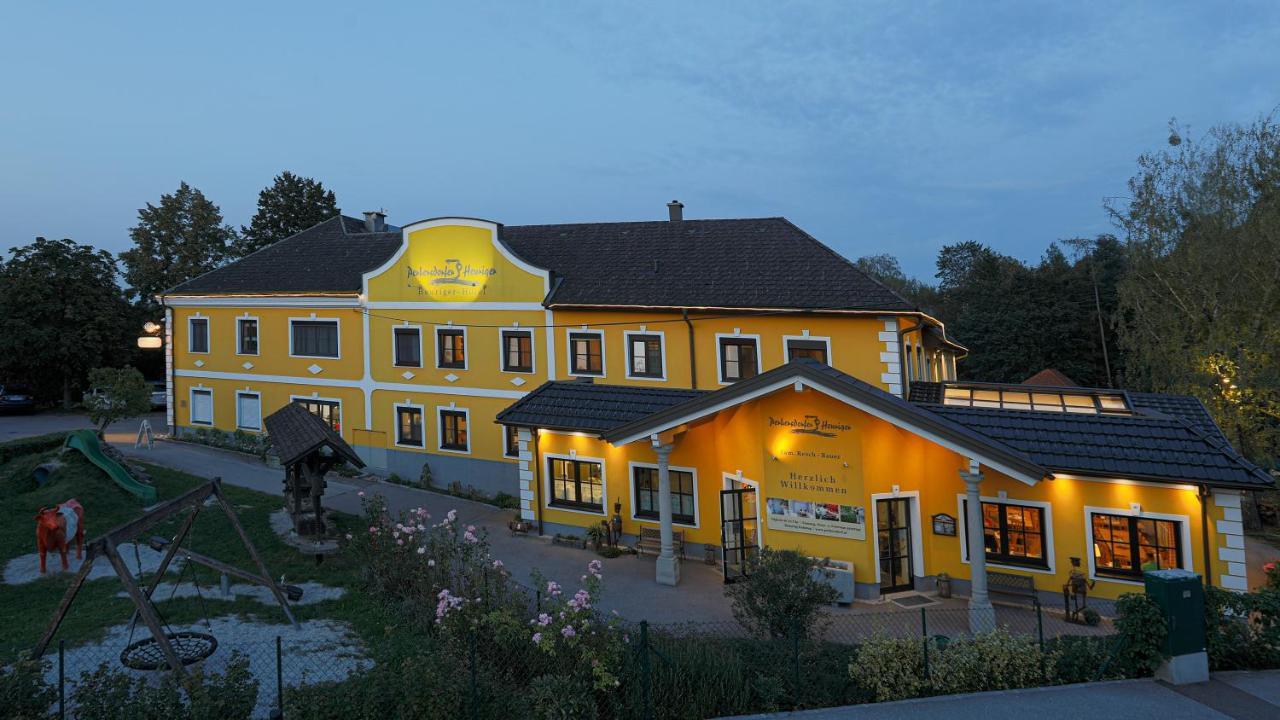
{"x":26,"y":609}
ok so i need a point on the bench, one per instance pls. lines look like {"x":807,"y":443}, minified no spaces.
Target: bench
{"x":1010,"y":584}
{"x":651,"y":541}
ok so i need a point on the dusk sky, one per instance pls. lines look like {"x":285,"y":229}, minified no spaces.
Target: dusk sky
{"x":878,"y":127}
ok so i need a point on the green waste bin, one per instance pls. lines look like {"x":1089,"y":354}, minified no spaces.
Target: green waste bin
{"x":1180,"y":595}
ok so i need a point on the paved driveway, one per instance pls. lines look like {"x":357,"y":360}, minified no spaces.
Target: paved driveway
{"x":13,"y":427}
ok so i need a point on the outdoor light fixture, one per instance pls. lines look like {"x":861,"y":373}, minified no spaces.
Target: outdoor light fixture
{"x":150,"y":342}
{"x":150,"y":328}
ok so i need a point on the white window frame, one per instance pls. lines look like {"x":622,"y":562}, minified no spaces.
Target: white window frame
{"x":533,"y":350}
{"x":631,"y":489}
{"x":256,"y":395}
{"x":728,"y":481}
{"x":568,"y":343}
{"x":258,"y":325}
{"x":720,"y":359}
{"x":466,"y":347}
{"x":395,"y":424}
{"x":1184,"y":529}
{"x":191,"y":405}
{"x":406,"y":326}
{"x":1046,"y":532}
{"x":626,"y":354}
{"x":917,"y":532}
{"x":549,"y":494}
{"x":208,"y":334}
{"x":337,"y":323}
{"x":786,"y":346}
{"x":504,"y":443}
{"x":342,"y":412}
{"x":440,"y":429}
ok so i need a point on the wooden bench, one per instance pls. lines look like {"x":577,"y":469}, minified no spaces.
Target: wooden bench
{"x":651,"y":541}
{"x":1010,"y":584}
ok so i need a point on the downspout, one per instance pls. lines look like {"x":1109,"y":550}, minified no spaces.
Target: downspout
{"x":902,"y":353}
{"x":693,"y":355}
{"x":1203,"y":495}
{"x":537,"y":478}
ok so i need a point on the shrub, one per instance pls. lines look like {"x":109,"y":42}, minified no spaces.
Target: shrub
{"x":990,"y":661}
{"x":30,"y":446}
{"x":1242,"y":630}
{"x":1082,"y":658}
{"x":119,"y":394}
{"x":24,"y":695}
{"x":1142,"y":630}
{"x":560,"y":697}
{"x":111,"y":694}
{"x":891,"y":668}
{"x":781,"y":596}
{"x":413,"y":682}
{"x":506,"y":501}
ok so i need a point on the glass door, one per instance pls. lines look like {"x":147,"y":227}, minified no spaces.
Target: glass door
{"x":893,"y":540}
{"x":738,"y":528}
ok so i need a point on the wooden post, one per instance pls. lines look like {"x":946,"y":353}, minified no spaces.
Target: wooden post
{"x":163,"y":567}
{"x":90,"y":554}
{"x":146,"y":610}
{"x":253,"y":552}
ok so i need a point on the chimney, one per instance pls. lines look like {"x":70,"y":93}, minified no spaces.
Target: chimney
{"x":676,"y":210}
{"x":375,"y":221}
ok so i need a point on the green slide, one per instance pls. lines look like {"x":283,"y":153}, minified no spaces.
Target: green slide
{"x":86,"y":441}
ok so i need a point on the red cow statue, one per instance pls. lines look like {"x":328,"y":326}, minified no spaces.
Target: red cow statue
{"x":55,"y":529}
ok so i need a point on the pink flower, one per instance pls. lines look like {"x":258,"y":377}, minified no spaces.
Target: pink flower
{"x":422,"y":551}
{"x":537,"y":638}
{"x":399,"y":542}
{"x":544,"y":619}
{"x":360,"y":494}
{"x":497,"y":564}
{"x":553,"y":588}
{"x":567,"y":631}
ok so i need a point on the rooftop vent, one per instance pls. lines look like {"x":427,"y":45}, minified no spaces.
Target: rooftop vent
{"x":375,"y":221}
{"x":676,"y":209}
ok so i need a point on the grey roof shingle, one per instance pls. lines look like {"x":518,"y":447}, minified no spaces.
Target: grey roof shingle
{"x":586,"y":406}
{"x":740,"y":263}
{"x":296,"y":431}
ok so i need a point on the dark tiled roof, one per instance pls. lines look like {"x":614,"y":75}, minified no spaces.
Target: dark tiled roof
{"x":588,"y":407}
{"x":750,"y":263}
{"x":1184,"y":407}
{"x":296,"y":431}
{"x":926,"y":393}
{"x":1155,"y":447}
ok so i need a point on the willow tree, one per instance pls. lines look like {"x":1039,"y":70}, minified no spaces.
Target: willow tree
{"x":1199,"y":307}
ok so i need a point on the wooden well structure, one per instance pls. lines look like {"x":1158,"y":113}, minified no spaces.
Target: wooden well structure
{"x":308,"y":448}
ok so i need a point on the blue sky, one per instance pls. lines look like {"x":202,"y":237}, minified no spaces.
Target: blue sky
{"x":879,"y":127}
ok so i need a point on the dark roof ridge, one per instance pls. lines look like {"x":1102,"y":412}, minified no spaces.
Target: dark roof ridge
{"x":648,"y":222}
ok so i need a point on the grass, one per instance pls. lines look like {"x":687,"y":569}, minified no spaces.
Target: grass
{"x":25,"y":610}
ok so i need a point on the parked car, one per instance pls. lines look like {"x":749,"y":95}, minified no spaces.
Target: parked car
{"x":159,"y":394}
{"x":16,"y":398}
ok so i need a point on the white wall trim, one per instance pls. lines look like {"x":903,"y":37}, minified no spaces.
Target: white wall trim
{"x":720,"y":359}
{"x":1046,"y":532}
{"x":442,"y":305}
{"x":631,"y":489}
{"x":337,"y":323}
{"x":1126,"y":481}
{"x":626,"y":354}
{"x":917,"y":533}
{"x":395,"y":424}
{"x":1184,"y":530}
{"x":440,"y":428}
{"x":604,"y":352}
{"x":548,"y":479}
{"x":367,"y":385}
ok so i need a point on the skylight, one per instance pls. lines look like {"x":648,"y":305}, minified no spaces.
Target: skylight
{"x":1083,"y":402}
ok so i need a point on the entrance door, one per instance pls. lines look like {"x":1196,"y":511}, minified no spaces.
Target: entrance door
{"x":893,"y":539}
{"x":738,"y":531}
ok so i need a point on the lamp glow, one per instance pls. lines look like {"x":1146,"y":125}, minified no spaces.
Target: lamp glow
{"x":150,"y":328}
{"x":150,"y":342}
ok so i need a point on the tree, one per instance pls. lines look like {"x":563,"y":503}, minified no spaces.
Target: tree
{"x":288,"y":206}
{"x":886,"y":269}
{"x":1199,"y":307}
{"x":61,"y":313}
{"x":181,"y":238}
{"x":118,"y":394}
{"x":782,"y":596}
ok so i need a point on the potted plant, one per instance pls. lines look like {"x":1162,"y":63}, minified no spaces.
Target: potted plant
{"x":519,"y":525}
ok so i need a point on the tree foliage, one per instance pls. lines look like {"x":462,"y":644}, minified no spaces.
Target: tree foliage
{"x":61,"y":313}
{"x":782,"y":597}
{"x":288,"y":206}
{"x":1200,"y":303}
{"x":180,"y":238}
{"x":118,"y":394}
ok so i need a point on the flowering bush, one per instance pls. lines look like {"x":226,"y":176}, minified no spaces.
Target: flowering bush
{"x":569,"y":629}
{"x":1272,"y":571}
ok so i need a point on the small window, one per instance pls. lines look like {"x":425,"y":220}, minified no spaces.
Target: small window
{"x":247,"y":336}
{"x":1013,"y":534}
{"x":451,"y":348}
{"x":314,"y":338}
{"x":198,"y":342}
{"x":408,"y":426}
{"x":517,"y":351}
{"x":577,"y":484}
{"x":329,"y":411}
{"x":586,"y":354}
{"x":510,"y":441}
{"x":1129,"y":546}
{"x":408,"y":346}
{"x":201,"y":407}
{"x":248,"y":411}
{"x":682,"y":496}
{"x":453,"y":430}
{"x":644,"y":356}
{"x":812,"y":349}
{"x":738,"y":359}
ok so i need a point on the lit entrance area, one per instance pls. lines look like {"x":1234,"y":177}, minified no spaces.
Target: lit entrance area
{"x":739,"y":527}
{"x":893,"y":542}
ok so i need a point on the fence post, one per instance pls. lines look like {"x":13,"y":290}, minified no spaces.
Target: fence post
{"x":62,"y":679}
{"x":795,"y":663}
{"x":474,"y":710}
{"x":279,"y":676}
{"x":1040,"y":632}
{"x":646,"y":689}
{"x":924,"y":641}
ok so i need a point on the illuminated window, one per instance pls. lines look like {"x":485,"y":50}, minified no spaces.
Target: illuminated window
{"x":1127,"y":545}
{"x":510,"y":441}
{"x":577,"y":484}
{"x":586,"y":353}
{"x":451,"y":348}
{"x":329,"y":411}
{"x":644,"y":356}
{"x":1013,"y":534}
{"x":517,"y":351}
{"x":1084,"y":402}
{"x":453,"y":431}
{"x":409,"y":426}
{"x":646,"y":490}
{"x":739,"y":359}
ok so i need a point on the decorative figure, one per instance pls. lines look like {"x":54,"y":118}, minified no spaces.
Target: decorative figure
{"x":56,"y":527}
{"x":1075,"y":593}
{"x":615,"y":524}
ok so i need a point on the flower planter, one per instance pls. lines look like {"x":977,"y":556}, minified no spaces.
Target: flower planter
{"x":519,"y":527}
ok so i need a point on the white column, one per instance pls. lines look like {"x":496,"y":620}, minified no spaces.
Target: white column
{"x":528,"y":498}
{"x":982,"y":617}
{"x":668,"y":572}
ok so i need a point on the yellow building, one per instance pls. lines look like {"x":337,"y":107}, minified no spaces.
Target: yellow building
{"x":723,"y":383}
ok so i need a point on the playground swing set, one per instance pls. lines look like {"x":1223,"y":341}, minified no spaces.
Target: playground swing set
{"x":165,"y":647}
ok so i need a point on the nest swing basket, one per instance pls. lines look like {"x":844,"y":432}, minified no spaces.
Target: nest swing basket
{"x":190,"y":647}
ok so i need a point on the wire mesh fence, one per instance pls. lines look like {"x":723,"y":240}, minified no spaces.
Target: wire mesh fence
{"x":622,"y":670}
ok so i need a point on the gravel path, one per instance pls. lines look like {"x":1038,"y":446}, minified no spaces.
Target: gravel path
{"x":26,"y":568}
